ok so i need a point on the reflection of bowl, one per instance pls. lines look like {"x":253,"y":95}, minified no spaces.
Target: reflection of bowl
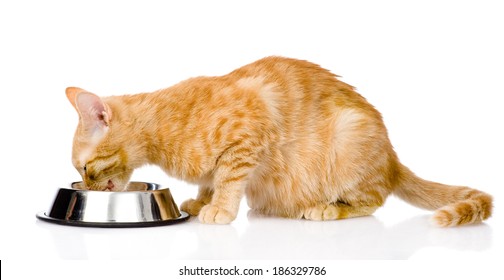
{"x":142,"y":205}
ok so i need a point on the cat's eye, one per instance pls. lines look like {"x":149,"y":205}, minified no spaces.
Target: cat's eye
{"x":85,"y":168}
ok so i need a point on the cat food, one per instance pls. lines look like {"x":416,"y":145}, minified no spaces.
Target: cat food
{"x":132,"y":186}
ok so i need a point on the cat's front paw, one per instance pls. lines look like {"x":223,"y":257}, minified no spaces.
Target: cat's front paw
{"x":211,"y":214}
{"x":192,"y":206}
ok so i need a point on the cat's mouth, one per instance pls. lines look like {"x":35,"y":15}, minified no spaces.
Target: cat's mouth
{"x":110,"y":185}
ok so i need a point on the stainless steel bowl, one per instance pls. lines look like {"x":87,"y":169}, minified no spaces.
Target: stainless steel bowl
{"x":143,"y":205}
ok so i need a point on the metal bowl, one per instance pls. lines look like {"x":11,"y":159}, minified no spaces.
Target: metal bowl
{"x":142,"y":205}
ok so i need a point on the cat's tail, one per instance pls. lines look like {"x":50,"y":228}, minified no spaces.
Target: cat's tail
{"x":454,"y":205}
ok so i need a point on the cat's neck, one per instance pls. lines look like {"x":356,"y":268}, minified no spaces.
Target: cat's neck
{"x":158,"y":127}
{"x":144,"y":117}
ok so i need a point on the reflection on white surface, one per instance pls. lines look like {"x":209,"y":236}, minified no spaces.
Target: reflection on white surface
{"x":362,"y":238}
{"x":133,"y":243}
{"x":267,"y":238}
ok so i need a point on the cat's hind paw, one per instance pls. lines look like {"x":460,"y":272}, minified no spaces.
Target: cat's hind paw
{"x":192,"y":206}
{"x":211,"y":214}
{"x":322,"y":212}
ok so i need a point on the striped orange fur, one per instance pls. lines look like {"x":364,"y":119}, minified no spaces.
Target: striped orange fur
{"x":287,"y":133}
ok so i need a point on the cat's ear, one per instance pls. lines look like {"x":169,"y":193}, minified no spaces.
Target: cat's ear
{"x":93,"y":112}
{"x":71,"y":93}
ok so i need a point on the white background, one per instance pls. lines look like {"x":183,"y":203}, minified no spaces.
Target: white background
{"x":434,"y":69}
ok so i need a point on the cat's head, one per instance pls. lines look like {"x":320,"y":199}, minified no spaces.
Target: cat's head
{"x":99,"y":153}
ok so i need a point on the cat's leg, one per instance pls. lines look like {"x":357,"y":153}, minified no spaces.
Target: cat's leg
{"x":193,"y":206}
{"x":338,"y":210}
{"x":229,"y":182}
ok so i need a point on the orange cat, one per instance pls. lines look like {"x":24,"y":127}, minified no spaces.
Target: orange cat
{"x":297,"y":141}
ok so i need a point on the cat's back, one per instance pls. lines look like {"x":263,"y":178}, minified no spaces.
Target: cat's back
{"x":284,"y":71}
{"x":299,"y":80}
{"x":299,"y":88}
{"x":277,"y":79}
{"x":274,"y":93}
